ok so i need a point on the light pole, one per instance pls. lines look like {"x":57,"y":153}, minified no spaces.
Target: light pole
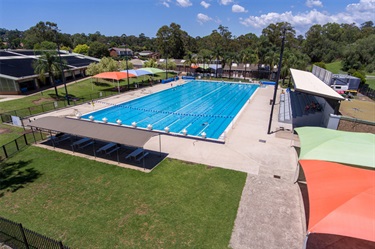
{"x":277,"y":79}
{"x":127,"y":68}
{"x":62,"y":69}
{"x":166,"y":62}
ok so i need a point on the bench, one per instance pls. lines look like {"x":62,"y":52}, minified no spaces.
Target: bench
{"x":135,"y":153}
{"x":143,"y":156}
{"x":58,"y":139}
{"x":106,"y":147}
{"x":80,"y":142}
{"x":113,"y":150}
{"x":85,"y":145}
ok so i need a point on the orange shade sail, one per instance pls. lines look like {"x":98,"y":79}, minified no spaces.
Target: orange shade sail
{"x":341,"y":198}
{"x":114,"y":75}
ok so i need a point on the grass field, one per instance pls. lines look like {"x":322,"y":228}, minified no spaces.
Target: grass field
{"x":371,"y":82}
{"x":334,"y":67}
{"x":8,"y":133}
{"x":88,"y":204}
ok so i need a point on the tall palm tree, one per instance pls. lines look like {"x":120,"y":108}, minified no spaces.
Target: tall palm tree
{"x":190,"y":59}
{"x":271,"y":58}
{"x":217,"y":54}
{"x":48,"y":63}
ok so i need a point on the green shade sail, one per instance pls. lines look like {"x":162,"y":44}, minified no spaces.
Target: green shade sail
{"x":354,"y":148}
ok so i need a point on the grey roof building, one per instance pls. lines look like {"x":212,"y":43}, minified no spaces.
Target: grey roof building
{"x":17,"y":74}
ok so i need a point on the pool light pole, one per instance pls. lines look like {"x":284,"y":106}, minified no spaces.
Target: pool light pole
{"x":166,"y":61}
{"x":165,"y":39}
{"x":127,"y":67}
{"x":277,"y":78}
{"x":61,"y":67}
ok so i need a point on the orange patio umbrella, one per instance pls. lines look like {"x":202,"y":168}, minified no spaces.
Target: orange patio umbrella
{"x":341,"y":199}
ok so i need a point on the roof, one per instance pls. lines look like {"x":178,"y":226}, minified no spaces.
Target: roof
{"x":354,"y":148}
{"x":309,"y":83}
{"x":19,"y":67}
{"x":18,"y":63}
{"x":121,"y":49}
{"x":341,"y":199}
{"x":98,"y":131}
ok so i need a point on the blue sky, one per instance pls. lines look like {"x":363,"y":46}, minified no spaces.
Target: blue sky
{"x":197,"y":17}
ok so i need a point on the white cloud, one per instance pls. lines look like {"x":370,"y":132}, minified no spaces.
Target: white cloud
{"x":166,"y":3}
{"x":202,"y":18}
{"x":184,"y":3}
{"x":301,"y":22}
{"x":238,"y":9}
{"x":205,"y":5}
{"x":314,"y":3}
{"x":362,"y":6}
{"x":226,"y":2}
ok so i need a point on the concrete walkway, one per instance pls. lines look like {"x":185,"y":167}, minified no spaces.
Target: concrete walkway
{"x":270,"y":213}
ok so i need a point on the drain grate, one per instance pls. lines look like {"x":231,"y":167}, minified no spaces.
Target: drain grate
{"x":276,"y":176}
{"x":262,"y":141}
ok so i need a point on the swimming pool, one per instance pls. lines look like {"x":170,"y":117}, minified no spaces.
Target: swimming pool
{"x":197,"y":108}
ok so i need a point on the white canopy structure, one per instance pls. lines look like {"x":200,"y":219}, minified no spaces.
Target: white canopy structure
{"x":308,"y":83}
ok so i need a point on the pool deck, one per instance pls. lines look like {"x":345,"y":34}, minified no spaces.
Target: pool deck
{"x":271,"y":213}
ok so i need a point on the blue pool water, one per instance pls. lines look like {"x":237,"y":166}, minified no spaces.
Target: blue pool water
{"x":196,"y":106}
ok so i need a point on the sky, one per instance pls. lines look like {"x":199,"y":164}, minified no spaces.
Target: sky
{"x":196,"y":17}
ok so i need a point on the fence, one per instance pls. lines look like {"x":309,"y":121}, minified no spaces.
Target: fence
{"x":16,"y":236}
{"x":30,"y":111}
{"x":11,"y":148}
{"x":367,"y":91}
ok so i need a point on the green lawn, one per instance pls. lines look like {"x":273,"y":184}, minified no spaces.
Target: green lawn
{"x":371,"y":82}
{"x":334,"y":67}
{"x":8,"y":133}
{"x":88,"y":204}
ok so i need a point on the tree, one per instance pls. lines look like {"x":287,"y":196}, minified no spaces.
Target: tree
{"x":360,"y":55}
{"x":45,"y":45}
{"x":172,"y":41}
{"x":190,"y":59}
{"x":93,"y":69}
{"x":81,"y":49}
{"x":150,"y":63}
{"x":123,"y":65}
{"x":42,"y":31}
{"x":48,"y":63}
{"x":98,"y":50}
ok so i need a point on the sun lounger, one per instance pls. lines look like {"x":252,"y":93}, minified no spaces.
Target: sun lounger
{"x":106,"y":147}
{"x":135,"y":153}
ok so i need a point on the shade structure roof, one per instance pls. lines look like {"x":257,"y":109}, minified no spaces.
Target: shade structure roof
{"x":355,"y":148}
{"x":308,"y":83}
{"x":137,"y":72}
{"x":152,"y":70}
{"x":114,"y":75}
{"x":99,"y":131}
{"x":341,"y":199}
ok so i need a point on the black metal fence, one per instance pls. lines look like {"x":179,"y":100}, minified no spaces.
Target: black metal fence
{"x":38,"y":109}
{"x":367,"y":91}
{"x":16,"y":236}
{"x":11,"y":148}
